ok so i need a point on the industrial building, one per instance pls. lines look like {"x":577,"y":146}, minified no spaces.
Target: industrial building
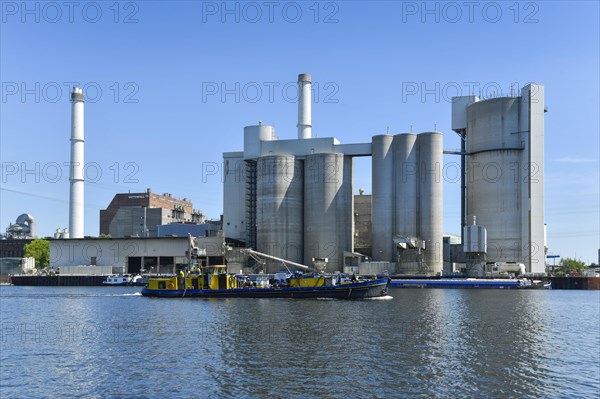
{"x":12,"y":252}
{"x":294,"y":198}
{"x":12,"y":244}
{"x":22,"y":228}
{"x":211,"y":228}
{"x":87,"y":256}
{"x":140,"y":214}
{"x":503,"y":178}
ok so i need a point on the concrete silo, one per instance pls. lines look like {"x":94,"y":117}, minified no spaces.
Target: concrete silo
{"x":504,"y":173}
{"x":493,"y":188}
{"x":279,"y":207}
{"x":327,"y":208}
{"x":430,"y":199}
{"x":405,"y":185}
{"x":383,"y":196}
{"x":406,"y":204}
{"x":239,"y":184}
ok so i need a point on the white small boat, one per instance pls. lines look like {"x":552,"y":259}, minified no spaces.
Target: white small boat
{"x":136,"y":280}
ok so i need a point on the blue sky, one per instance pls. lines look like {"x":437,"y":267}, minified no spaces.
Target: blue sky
{"x":170,"y":87}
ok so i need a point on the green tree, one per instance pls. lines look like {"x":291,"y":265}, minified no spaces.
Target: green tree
{"x":571,"y":266}
{"x":40,"y":250}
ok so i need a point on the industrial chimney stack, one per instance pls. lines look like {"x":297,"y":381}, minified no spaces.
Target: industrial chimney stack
{"x":304,"y":103}
{"x":77,"y":166}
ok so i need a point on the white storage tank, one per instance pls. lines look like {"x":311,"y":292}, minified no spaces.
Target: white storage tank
{"x":253,"y":135}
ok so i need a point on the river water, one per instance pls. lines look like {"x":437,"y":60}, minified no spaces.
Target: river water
{"x":110,"y":342}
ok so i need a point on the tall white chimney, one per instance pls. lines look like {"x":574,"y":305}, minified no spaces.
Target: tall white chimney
{"x":77,"y":166}
{"x":304,"y":103}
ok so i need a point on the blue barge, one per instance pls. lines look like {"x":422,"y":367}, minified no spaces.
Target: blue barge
{"x":214,"y":282}
{"x":460,"y":283}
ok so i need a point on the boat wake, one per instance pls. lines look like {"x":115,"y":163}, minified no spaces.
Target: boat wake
{"x":133,"y":294}
{"x":380,"y":298}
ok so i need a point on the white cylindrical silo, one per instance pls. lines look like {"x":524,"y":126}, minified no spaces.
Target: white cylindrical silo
{"x":253,"y":135}
{"x":382,"y":199}
{"x":430,"y":197}
{"x":77,"y":166}
{"x":495,"y":167}
{"x":304,"y":106}
{"x":327,"y":209}
{"x":405,"y":185}
{"x":279,"y":208}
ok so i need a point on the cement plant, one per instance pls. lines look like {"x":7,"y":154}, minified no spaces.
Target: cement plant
{"x":289,"y":201}
{"x":293,"y":197}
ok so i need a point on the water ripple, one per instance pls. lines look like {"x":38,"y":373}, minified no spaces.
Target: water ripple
{"x":110,"y":343}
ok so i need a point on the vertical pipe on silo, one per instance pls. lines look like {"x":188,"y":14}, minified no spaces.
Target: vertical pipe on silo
{"x":430,"y":196}
{"x":382,"y":200}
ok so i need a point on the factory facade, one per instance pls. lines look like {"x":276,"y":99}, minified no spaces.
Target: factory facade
{"x":131,"y":255}
{"x":140,"y":214}
{"x":294,"y":199}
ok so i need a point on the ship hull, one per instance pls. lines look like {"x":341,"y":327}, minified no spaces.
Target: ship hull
{"x":368,"y":289}
{"x":458,"y":283}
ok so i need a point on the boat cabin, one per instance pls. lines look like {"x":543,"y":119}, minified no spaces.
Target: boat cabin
{"x":203,"y":278}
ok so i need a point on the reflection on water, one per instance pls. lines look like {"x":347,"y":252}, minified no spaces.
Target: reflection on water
{"x":109,"y":341}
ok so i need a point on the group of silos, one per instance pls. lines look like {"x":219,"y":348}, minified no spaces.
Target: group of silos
{"x":407,"y":207}
{"x":301,"y":203}
{"x":304,"y":207}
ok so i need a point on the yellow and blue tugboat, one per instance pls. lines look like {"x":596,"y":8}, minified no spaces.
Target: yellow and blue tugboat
{"x":215,"y":282}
